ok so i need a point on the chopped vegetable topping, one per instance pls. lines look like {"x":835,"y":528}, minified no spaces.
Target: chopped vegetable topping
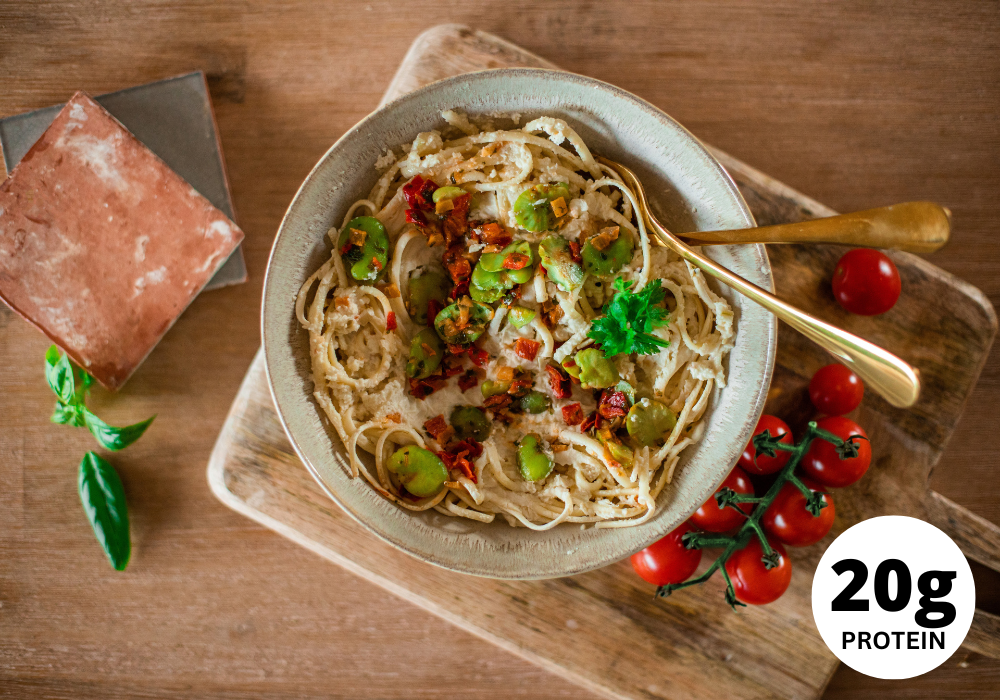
{"x":605,"y":237}
{"x":438,"y":428}
{"x":559,"y":207}
{"x":390,"y":321}
{"x":357,"y":236}
{"x":559,"y":383}
{"x":613,"y":404}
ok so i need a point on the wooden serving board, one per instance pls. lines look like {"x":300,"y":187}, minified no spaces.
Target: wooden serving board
{"x":603,"y":629}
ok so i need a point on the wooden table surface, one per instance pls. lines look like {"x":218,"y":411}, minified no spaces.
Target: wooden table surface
{"x":856,"y":104}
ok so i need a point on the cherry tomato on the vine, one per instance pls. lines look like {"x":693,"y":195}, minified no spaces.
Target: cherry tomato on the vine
{"x":836,"y":390}
{"x":763,"y":464}
{"x":753,"y":583}
{"x":714,"y":519}
{"x":866,"y":282}
{"x":788,"y":520}
{"x":824,"y":464}
{"x":667,"y":560}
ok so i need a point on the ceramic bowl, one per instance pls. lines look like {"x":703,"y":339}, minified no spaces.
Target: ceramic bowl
{"x":690,"y":191}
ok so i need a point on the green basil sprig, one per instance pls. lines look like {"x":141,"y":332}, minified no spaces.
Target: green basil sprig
{"x":103,"y":499}
{"x":70,"y":384}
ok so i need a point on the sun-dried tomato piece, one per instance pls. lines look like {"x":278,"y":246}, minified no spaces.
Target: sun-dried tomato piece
{"x":574,"y":252}
{"x":492,"y":234}
{"x":551,"y":313}
{"x":459,"y":290}
{"x":347,"y":247}
{"x":612,"y":404}
{"x":390,"y":321}
{"x":515,"y":261}
{"x":478,"y":356}
{"x":459,"y":455}
{"x":456,"y":223}
{"x":497,"y":401}
{"x":559,"y":382}
{"x":456,"y":262}
{"x":422,"y":388}
{"x":433,"y":309}
{"x":521,"y":386}
{"x":438,"y":428}
{"x":470,"y":379}
{"x":573,"y":414}
{"x":419,"y":193}
{"x":526,"y":349}
{"x":590,"y":422}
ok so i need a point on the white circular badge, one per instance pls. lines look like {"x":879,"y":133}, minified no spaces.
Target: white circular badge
{"x":893,"y":597}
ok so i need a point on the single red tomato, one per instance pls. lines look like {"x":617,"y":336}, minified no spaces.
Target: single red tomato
{"x":711,"y":518}
{"x":866,"y":282}
{"x":788,"y":520}
{"x":762,"y":464}
{"x":836,"y":390}
{"x":824,"y":464}
{"x":667,"y":560}
{"x":753,"y":583}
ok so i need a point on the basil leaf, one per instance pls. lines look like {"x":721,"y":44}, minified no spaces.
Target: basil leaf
{"x":64,"y":414}
{"x":111,"y":438}
{"x":59,"y":374}
{"x":103,"y":501}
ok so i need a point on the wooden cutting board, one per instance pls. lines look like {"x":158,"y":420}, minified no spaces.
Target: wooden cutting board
{"x":603,"y":629}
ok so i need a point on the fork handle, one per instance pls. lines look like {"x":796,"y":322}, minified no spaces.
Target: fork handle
{"x":891,"y":377}
{"x":917,"y":227}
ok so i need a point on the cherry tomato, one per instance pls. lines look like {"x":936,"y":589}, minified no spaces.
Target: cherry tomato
{"x":667,"y":560}
{"x":836,"y":390}
{"x":822,"y":462}
{"x":866,"y":282}
{"x":711,"y":518}
{"x":764,"y":464}
{"x":752,"y":582}
{"x":788,"y":520}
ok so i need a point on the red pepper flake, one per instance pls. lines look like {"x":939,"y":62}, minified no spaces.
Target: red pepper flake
{"x":478,"y":356}
{"x":515,"y":261}
{"x":590,"y":422}
{"x":559,"y":382}
{"x":526,"y":349}
{"x":613,"y":404}
{"x":347,"y":247}
{"x":439,"y":429}
{"x":376,"y":264}
{"x":390,"y":321}
{"x":573,"y":414}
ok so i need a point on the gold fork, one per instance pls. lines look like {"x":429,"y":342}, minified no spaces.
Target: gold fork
{"x":892,"y":378}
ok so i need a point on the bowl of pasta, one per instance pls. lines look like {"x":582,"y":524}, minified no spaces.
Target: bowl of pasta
{"x":478,"y":350}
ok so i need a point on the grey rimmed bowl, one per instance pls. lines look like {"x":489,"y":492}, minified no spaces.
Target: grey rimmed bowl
{"x":690,"y":191}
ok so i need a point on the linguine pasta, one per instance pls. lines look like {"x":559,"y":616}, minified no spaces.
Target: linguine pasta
{"x":362,"y":332}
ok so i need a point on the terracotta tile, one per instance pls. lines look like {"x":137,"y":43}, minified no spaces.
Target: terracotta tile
{"x":102,"y":246}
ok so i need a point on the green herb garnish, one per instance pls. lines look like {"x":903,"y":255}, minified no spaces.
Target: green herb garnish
{"x":100,"y":488}
{"x":628,"y":319}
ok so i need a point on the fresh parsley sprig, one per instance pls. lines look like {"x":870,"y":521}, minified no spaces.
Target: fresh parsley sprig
{"x":99,"y":485}
{"x":629,"y":319}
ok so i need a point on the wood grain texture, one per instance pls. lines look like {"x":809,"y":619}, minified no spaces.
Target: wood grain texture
{"x":601,"y":630}
{"x":857,"y":103}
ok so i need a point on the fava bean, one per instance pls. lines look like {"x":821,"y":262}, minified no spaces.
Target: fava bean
{"x":494,"y":388}
{"x":535,"y":402}
{"x":648,"y":421}
{"x":596,"y":371}
{"x":520,"y":316}
{"x":557,"y":259}
{"x":426,"y":353}
{"x":604,"y":263}
{"x":533,"y":207}
{"x":456,"y":330}
{"x":533,"y":464}
{"x":470,"y":422}
{"x":420,"y":471}
{"x":368,"y":260}
{"x":420,"y":291}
